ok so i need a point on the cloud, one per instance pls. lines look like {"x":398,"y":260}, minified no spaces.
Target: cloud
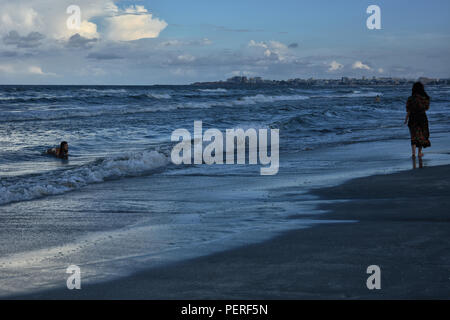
{"x":267,"y":44}
{"x":24,"y":70}
{"x":88,"y":30}
{"x":334,"y":66}
{"x":186,"y":58}
{"x":6,"y":68}
{"x":293,"y":45}
{"x":17,"y":15}
{"x":272,"y":50}
{"x":78,"y":41}
{"x":8,"y":54}
{"x":49,"y":18}
{"x":103,"y":56}
{"x":179,"y":43}
{"x":360,"y":65}
{"x":33,"y":39}
{"x":134,"y":24}
{"x":36,"y":70}
{"x":253,"y":43}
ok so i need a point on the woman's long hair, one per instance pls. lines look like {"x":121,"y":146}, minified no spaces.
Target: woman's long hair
{"x":419,"y":89}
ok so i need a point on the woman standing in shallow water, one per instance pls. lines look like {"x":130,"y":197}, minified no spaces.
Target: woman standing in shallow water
{"x":417,"y":120}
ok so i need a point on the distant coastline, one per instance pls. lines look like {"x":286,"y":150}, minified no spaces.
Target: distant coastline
{"x":258,"y":81}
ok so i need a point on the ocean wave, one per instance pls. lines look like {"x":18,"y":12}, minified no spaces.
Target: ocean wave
{"x":40,"y":98}
{"x":219,"y":90}
{"x":261,"y":98}
{"x":359,"y":94}
{"x":85,"y":94}
{"x":109,"y":91}
{"x":56,"y":114}
{"x":160,"y":95}
{"x":32,"y":187}
{"x":354,"y":94}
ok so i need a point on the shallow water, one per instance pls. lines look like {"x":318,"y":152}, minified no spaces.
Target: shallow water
{"x":119,"y":204}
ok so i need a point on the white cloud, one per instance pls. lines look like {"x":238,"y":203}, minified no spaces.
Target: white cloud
{"x":278,"y":45}
{"x":360,"y":65}
{"x":272,"y":49}
{"x":49,"y":18}
{"x":380,"y":70}
{"x":17,"y":15}
{"x":334,"y":65}
{"x":6,"y":68}
{"x":253,"y":43}
{"x":186,"y":58}
{"x":36,"y":70}
{"x":275,"y":45}
{"x":24,"y":70}
{"x":136,"y":23}
{"x":88,"y":30}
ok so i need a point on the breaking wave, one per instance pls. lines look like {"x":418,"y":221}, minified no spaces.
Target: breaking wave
{"x":261,"y":98}
{"x":160,"y":95}
{"x":219,"y":90}
{"x":23,"y":188}
{"x":354,"y":94}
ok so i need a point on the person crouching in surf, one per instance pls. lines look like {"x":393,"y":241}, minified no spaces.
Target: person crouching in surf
{"x":62,"y":152}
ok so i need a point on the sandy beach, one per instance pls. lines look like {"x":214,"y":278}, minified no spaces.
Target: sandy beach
{"x":402,"y":226}
{"x":224,"y":150}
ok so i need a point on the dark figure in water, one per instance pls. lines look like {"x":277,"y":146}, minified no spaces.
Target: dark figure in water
{"x":417,"y":120}
{"x":62,"y":152}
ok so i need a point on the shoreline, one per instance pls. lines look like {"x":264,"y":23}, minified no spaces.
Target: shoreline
{"x":401,"y":225}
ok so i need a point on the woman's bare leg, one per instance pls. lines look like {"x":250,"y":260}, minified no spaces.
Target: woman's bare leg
{"x":420,"y":152}
{"x":413,"y":149}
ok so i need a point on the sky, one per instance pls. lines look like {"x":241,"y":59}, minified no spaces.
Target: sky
{"x":180,"y":42}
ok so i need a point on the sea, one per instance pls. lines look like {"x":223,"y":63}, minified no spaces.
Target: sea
{"x":119,"y":205}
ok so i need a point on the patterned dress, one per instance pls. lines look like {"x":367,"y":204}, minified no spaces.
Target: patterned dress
{"x":418,"y":121}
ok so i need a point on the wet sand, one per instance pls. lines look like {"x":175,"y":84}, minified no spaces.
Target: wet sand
{"x":403,"y":227}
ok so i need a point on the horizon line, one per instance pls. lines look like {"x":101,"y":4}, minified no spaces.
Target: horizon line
{"x":226,"y":81}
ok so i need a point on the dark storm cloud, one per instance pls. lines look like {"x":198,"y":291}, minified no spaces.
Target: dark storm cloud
{"x":8,"y":54}
{"x":33,"y":39}
{"x":77,"y":41}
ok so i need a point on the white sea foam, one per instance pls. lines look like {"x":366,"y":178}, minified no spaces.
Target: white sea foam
{"x":106,"y":110}
{"x":160,"y":95}
{"x":358,"y":94}
{"x":354,"y":94}
{"x":261,"y":98}
{"x":105,"y":90}
{"x":128,"y":165}
{"x":218,"y":90}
